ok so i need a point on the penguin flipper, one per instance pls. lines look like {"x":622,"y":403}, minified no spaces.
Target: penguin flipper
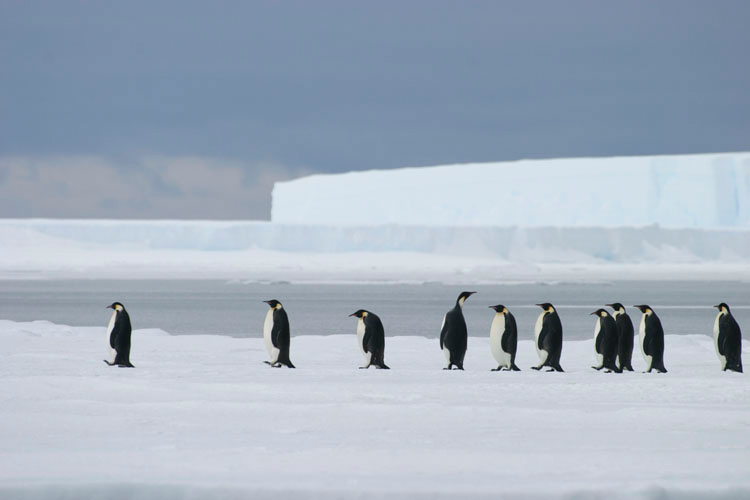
{"x":514,"y":368}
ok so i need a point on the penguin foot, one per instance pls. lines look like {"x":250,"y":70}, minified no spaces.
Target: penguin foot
{"x":268,"y":363}
{"x":364,"y":367}
{"x":550,"y":370}
{"x":537,"y":368}
{"x":597,"y":368}
{"x":515,"y":368}
{"x":110,"y":364}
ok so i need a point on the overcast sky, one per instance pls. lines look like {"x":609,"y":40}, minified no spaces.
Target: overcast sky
{"x":165,"y":109}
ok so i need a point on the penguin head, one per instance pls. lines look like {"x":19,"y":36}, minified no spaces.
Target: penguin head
{"x":723,"y":308}
{"x":500,"y":309}
{"x":601,"y":313}
{"x":548,"y":308}
{"x":116,"y":306}
{"x":361,"y":314}
{"x":462,"y":298}
{"x":644,"y":309}
{"x":273,"y":303}
{"x":616,"y":306}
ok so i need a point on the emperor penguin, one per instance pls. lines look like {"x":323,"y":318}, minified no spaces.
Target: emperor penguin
{"x":605,"y":341}
{"x":548,"y":338}
{"x":728,"y":339}
{"x":371,"y":339}
{"x":651,"y":337}
{"x":503,"y":339}
{"x":118,"y":336}
{"x":624,"y":336}
{"x":276,"y":335}
{"x":453,"y":334}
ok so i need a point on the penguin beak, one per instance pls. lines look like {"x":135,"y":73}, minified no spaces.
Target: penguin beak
{"x":352,"y":314}
{"x":610,"y":305}
{"x":717,"y":307}
{"x":593,"y":313}
{"x":109,"y":307}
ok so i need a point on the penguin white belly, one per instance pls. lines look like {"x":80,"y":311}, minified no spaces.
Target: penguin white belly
{"x":273,"y":353}
{"x":597,"y":332}
{"x":497,"y":329}
{"x":538,"y":330}
{"x":723,"y":359}
{"x":361,"y":341}
{"x":642,"y":339}
{"x":110,"y":351}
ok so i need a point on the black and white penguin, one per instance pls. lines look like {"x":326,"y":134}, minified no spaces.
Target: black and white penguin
{"x":728,"y":339}
{"x":453,"y":334}
{"x":371,"y":339}
{"x":118,"y":336}
{"x":651,"y":337}
{"x":605,"y":341}
{"x":276,"y":335}
{"x":503,"y":339}
{"x":548,"y":338}
{"x":624,"y":336}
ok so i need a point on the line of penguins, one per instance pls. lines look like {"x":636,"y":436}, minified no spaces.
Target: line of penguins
{"x":613,"y":338}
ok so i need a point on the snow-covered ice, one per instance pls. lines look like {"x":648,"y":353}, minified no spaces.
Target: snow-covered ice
{"x":202,"y":417}
{"x":264,"y":251}
{"x":702,"y":190}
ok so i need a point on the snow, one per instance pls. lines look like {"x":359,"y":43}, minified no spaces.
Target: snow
{"x":202,"y":417}
{"x":266,"y":251}
{"x":697,"y":191}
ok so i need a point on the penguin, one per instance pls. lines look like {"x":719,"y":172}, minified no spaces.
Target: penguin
{"x":548,"y":338}
{"x":371,"y":339}
{"x":651,"y":337}
{"x":453,"y":334}
{"x":504,"y":339}
{"x":118,"y":336}
{"x":624,"y":336}
{"x":276,"y":335}
{"x":728,"y":339}
{"x":605,"y":341}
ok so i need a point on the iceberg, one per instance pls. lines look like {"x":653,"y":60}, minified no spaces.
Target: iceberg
{"x":676,"y":191}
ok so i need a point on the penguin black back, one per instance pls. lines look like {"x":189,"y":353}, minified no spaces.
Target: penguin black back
{"x":728,"y":339}
{"x":504,"y":339}
{"x":277,"y":331}
{"x":371,"y":336}
{"x":605,"y":341}
{"x":624,"y":337}
{"x":651,"y":336}
{"x":548,"y":337}
{"x":120,"y":331}
{"x":453,"y":334}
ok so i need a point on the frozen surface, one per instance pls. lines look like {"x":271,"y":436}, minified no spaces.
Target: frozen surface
{"x":264,"y":251}
{"x":706,"y":191}
{"x":201,"y":416}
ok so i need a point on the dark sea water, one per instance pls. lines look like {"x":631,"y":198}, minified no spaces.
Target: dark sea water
{"x":236,"y":309}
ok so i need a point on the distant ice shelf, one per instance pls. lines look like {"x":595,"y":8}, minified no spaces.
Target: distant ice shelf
{"x":687,"y":191}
